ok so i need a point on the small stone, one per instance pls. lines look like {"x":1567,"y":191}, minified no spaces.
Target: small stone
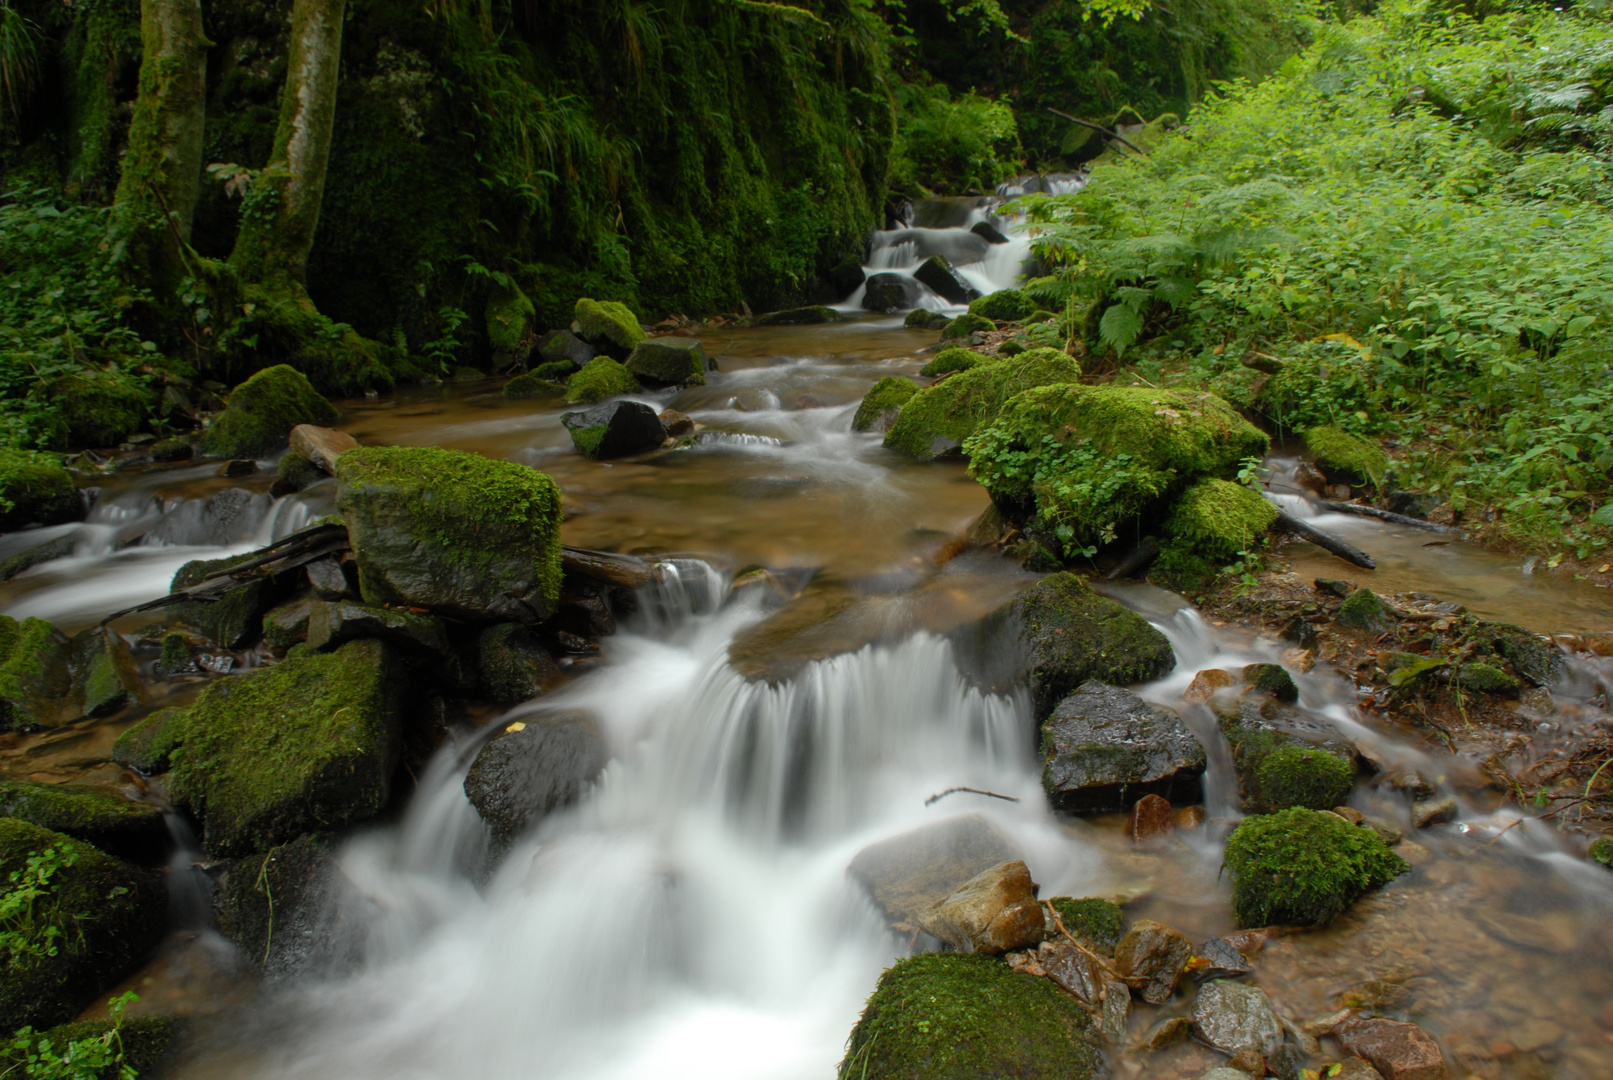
{"x":1271,"y":679}
{"x":1189,"y":817}
{"x":1350,"y":814}
{"x":1362,"y":610}
{"x":994,"y":912}
{"x":677,"y":424}
{"x":1413,"y":852}
{"x":1247,"y":942}
{"x":333,"y":623}
{"x":1430,"y":812}
{"x":1206,"y":683}
{"x":240,"y":467}
{"x":1151,"y":957}
{"x":907,"y":874}
{"x":1531,"y":1035}
{"x":322,"y":445}
{"x":1073,"y":969}
{"x":1298,"y":631}
{"x":1248,"y":1062}
{"x":1301,"y":660}
{"x":1222,"y":1072}
{"x":1164,"y":1035}
{"x":1233,"y":1017}
{"x":1397,"y":1050}
{"x":1150,"y":816}
{"x":1341,"y":589}
{"x":329,"y":579}
{"x":1354,"y":1068}
{"x":1218,"y":959}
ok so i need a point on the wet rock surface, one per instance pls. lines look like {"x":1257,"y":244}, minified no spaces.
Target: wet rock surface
{"x":1106,"y":746}
{"x":1234,"y":1017}
{"x":1151,"y":958}
{"x":535,"y":766}
{"x":909,"y":873}
{"x":615,"y":429}
{"x":996,"y":911}
{"x":1398,"y":1051}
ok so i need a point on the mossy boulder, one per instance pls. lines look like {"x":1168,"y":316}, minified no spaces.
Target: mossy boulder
{"x":1272,"y":679}
{"x":948,"y":361}
{"x":513,"y":666}
{"x":261,"y":413}
{"x":669,"y":361}
{"x":882,"y":403}
{"x":303,"y":745}
{"x":35,"y":677}
{"x":1256,"y":728}
{"x":149,"y":745}
{"x":1096,"y":922}
{"x":946,"y":1016}
{"x":36,"y":490}
{"x":615,"y":429}
{"x":939,"y":418}
{"x":453,"y":532}
{"x":1345,"y":457}
{"x":1087,"y":460}
{"x":1302,"y":867}
{"x":609,"y":326}
{"x":532,"y":385}
{"x":925,"y":319}
{"x":105,"y":675}
{"x":100,"y":410}
{"x":232,"y":622}
{"x":145,"y":1041}
{"x":1181,"y":569}
{"x":815,"y":315}
{"x":287,"y":624}
{"x":508,"y":318}
{"x":1004,"y":305}
{"x":966,"y":324}
{"x":599,"y":379}
{"x":1536,"y":658}
{"x":116,"y":825}
{"x":1483,"y":678}
{"x":1362,"y":610}
{"x":938,"y":273}
{"x":295,"y":472}
{"x":1305,"y":776}
{"x":112,"y":915}
{"x":1219,"y":519}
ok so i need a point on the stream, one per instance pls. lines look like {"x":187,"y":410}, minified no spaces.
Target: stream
{"x":692,"y":916}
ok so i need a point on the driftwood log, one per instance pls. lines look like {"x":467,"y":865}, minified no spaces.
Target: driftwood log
{"x":1346,"y":551}
{"x":1383,"y":515}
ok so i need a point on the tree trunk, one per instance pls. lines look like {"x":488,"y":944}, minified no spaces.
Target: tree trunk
{"x":273,"y":245}
{"x":162,"y":169}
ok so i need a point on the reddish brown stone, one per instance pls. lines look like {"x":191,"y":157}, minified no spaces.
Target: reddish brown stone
{"x":1150,"y":816}
{"x":1189,"y":817}
{"x":1248,"y":1061}
{"x":1206,"y":683}
{"x":1398,"y":1051}
{"x":676,"y":423}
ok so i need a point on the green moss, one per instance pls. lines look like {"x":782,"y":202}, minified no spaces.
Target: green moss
{"x":1219,"y":519}
{"x":925,"y":319}
{"x":175,"y":656}
{"x":452,"y":524}
{"x":556,"y":371}
{"x":512,"y":664}
{"x":1181,"y":569}
{"x":36,"y":490}
{"x":608,"y":324}
{"x":100,"y":409}
{"x":35,"y":678}
{"x":1362,"y":610}
{"x":1346,"y":457}
{"x":1602,"y":850}
{"x":306,"y":744}
{"x":298,"y":472}
{"x":1302,"y":867}
{"x":1004,"y":305}
{"x":287,"y":624}
{"x":232,"y":622}
{"x":966,"y":324}
{"x":1487,"y":679}
{"x":111,"y":914}
{"x":1096,"y":922}
{"x":949,"y":360}
{"x":286,"y":329}
{"x":669,"y":361}
{"x":802,"y":316}
{"x":1271,"y":679}
{"x":1303,"y":776}
{"x":587,"y":439}
{"x":534,"y":385}
{"x":599,"y":379}
{"x":149,"y":745}
{"x":884,"y":400}
{"x":144,"y":1039}
{"x":108,"y":821}
{"x":1075,"y":635}
{"x":261,"y":413}
{"x":509,"y":316}
{"x":941,"y":417}
{"x":945,"y":1016}
{"x":1538,"y":660}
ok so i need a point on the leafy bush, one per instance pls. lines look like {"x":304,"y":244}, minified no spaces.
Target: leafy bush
{"x":970,"y":143}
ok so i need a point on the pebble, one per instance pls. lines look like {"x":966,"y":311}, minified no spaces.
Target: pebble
{"x":1429,"y":812}
{"x":1398,"y":1051}
{"x":1151,"y":957}
{"x":1150,"y":817}
{"x":1164,"y":1034}
{"x":1350,"y":814}
{"x":1189,"y":817}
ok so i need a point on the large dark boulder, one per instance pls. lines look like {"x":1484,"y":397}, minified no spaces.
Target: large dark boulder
{"x":609,"y":326}
{"x":112,"y":916}
{"x":36,"y":490}
{"x":1057,"y":635}
{"x":35,"y":677}
{"x":286,"y":909}
{"x":1106,"y":748}
{"x":937,"y":273}
{"x":669,"y":361}
{"x":513,"y":666}
{"x":988,"y":232}
{"x":121,"y":827}
{"x":452,"y":532}
{"x":889,"y":292}
{"x":232,"y":622}
{"x":910,"y":873}
{"x":801,"y":316}
{"x":537,"y":765}
{"x":261,"y":413}
{"x":309,"y":743}
{"x":334,"y":623}
{"x":615,"y":429}
{"x":564,"y":347}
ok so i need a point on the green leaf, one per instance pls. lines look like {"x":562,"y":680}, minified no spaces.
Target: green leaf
{"x":1120,"y":327}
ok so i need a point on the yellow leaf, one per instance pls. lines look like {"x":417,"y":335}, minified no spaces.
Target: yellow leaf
{"x":517,"y":726}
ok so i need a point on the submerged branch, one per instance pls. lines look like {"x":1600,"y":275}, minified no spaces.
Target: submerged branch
{"x":1344,"y":550}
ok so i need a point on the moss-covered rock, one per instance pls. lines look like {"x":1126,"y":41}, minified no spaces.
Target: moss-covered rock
{"x":453,"y":532}
{"x":1085,"y":460}
{"x":178,"y":448}
{"x":1257,"y":728}
{"x":1098,"y":923}
{"x":105,"y":676}
{"x":534,"y":385}
{"x":232,"y":622}
{"x":1345,"y":457}
{"x":1485,"y":678}
{"x":287,"y":624}
{"x":1004,"y":305}
{"x":1302,"y":867}
{"x":149,"y":745}
{"x":1362,"y":610}
{"x":966,"y":324}
{"x":295,"y":472}
{"x":939,"y":418}
{"x":599,"y":379}
{"x":101,"y":410}
{"x":669,"y":361}
{"x":119,"y":826}
{"x":1537,"y":659}
{"x":35,"y":677}
{"x":508,"y":317}
{"x":111,"y":915}
{"x":1601,"y":851}
{"x":306,"y":744}
{"x":1181,"y":569}
{"x":175,"y":658}
{"x":815,"y":315}
{"x":261,"y":413}
{"x":1303,"y":776}
{"x":883,"y":402}
{"x":1272,"y":679}
{"x":609,"y":326}
{"x":144,"y":1040}
{"x":1219,"y":519}
{"x":949,"y":360}
{"x":615,"y":429}
{"x":946,"y":1016}
{"x":925,"y":319}
{"x":36,"y":490}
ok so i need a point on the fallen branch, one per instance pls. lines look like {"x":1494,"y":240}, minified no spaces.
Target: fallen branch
{"x":1383,"y":515}
{"x":1332,"y":544}
{"x":628,"y":571}
{"x":1098,"y":128}
{"x":1136,"y":562}
{"x":971,"y":791}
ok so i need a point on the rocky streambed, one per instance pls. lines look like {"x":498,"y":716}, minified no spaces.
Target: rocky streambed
{"x":463,"y":739}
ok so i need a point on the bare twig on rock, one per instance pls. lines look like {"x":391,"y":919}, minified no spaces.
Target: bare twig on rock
{"x":971,"y":791}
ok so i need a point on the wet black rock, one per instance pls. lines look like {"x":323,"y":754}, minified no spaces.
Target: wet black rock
{"x":1106,"y":748}
{"x":1417,"y":504}
{"x":1151,"y":958}
{"x":615,"y":429}
{"x":230,"y":517}
{"x":564,"y":346}
{"x":1271,"y":679}
{"x":1298,"y":631}
{"x":847,"y":275}
{"x":988,"y":232}
{"x":513,"y":666}
{"x":333,"y":623}
{"x":1222,"y":961}
{"x":937,"y":273}
{"x":1536,"y":658}
{"x":537,"y":765}
{"x":669,"y":361}
{"x":285,"y":909}
{"x":118,"y":826}
{"x":889,"y":292}
{"x":230,"y":623}
{"x":331,"y":579}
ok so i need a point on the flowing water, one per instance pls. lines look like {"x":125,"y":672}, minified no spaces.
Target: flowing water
{"x":691,"y":917}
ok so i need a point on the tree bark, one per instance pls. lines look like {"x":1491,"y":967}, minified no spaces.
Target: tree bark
{"x":281,"y":212}
{"x":162,"y":168}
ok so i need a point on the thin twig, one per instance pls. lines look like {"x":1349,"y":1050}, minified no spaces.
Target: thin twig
{"x":971,"y":791}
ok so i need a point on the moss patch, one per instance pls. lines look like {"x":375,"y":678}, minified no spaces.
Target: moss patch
{"x":599,"y":379}
{"x":1487,"y":679}
{"x":36,"y":490}
{"x":1218,"y":518}
{"x":609,"y":325}
{"x":669,"y":361}
{"x":534,"y":385}
{"x":1362,"y":610}
{"x":1345,"y":457}
{"x":306,"y":744}
{"x":801,"y":316}
{"x":1096,"y":922}
{"x":1073,"y":635}
{"x":945,"y":1016}
{"x":110,"y":822}
{"x":145,"y":1040}
{"x":966,"y":324}
{"x":102,"y":411}
{"x":1182,"y":569}
{"x":940,"y":417}
{"x":35,"y":679}
{"x":296,"y":472}
{"x":234,"y":621}
{"x":883,"y":402}
{"x":1303,"y":776}
{"x":261,"y":413}
{"x":509,"y":315}
{"x":1302,"y":867}
{"x":949,"y":360}
{"x":925,"y":319}
{"x":1004,"y":305}
{"x":149,"y":745}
